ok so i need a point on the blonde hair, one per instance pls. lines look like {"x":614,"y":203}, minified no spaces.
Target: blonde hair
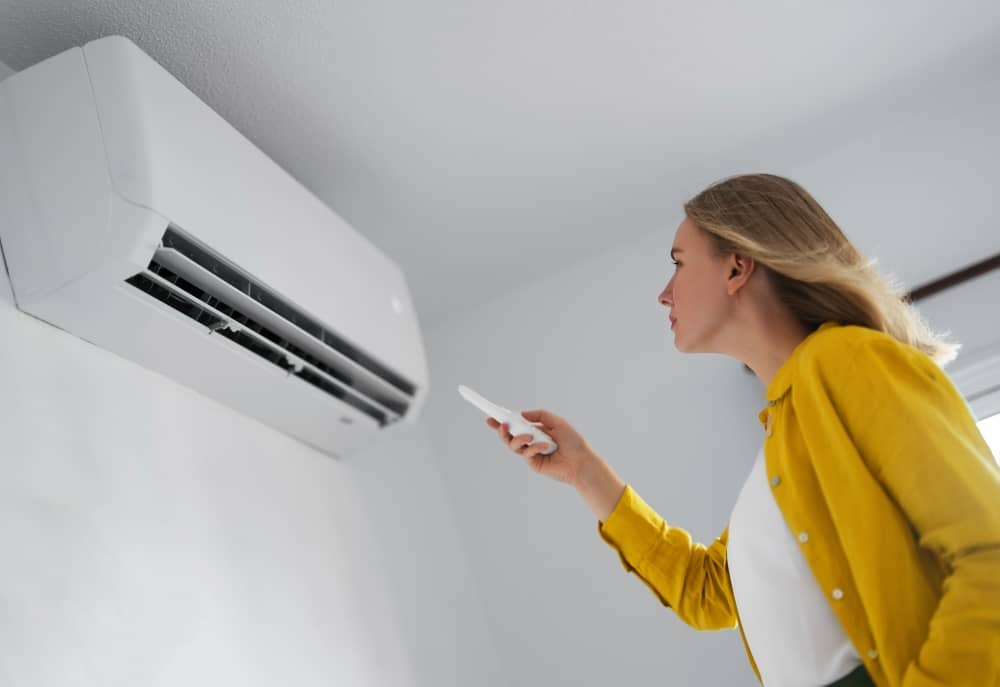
{"x":813,"y":267}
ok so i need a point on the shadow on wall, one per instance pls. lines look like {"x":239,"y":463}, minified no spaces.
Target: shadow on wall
{"x":6,"y":295}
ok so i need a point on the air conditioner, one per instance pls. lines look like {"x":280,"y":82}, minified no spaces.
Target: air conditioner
{"x":134,"y":217}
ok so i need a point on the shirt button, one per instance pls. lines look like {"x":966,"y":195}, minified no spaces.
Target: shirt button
{"x":872,"y":654}
{"x":775,"y":481}
{"x":838,"y":593}
{"x":804,"y":537}
{"x":772,"y":403}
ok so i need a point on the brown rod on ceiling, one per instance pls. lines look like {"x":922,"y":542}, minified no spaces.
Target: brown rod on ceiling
{"x":955,"y":278}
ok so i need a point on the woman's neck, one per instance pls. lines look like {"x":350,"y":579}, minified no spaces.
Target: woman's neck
{"x":767,"y":349}
{"x":764,"y":337}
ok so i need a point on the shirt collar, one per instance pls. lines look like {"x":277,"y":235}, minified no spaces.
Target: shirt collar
{"x":782,"y":380}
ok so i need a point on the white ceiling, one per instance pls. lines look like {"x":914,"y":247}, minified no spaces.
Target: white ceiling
{"x":482,"y":144}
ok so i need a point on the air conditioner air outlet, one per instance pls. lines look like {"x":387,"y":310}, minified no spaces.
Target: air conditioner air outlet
{"x":221,"y":318}
{"x":175,"y":240}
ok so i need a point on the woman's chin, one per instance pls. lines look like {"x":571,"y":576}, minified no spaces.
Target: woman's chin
{"x":685,"y":345}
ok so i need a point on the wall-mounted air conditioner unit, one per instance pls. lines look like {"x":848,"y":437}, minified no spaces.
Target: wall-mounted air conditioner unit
{"x":135,"y":217}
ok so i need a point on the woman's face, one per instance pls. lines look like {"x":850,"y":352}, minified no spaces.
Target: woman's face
{"x":697,"y":292}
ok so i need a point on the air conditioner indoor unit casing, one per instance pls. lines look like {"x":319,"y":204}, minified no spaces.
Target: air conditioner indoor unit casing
{"x":135,"y":217}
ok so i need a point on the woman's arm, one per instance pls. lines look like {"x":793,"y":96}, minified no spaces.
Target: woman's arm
{"x":688,"y":577}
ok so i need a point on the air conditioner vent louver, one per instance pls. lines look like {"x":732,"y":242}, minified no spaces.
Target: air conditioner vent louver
{"x":228,"y":302}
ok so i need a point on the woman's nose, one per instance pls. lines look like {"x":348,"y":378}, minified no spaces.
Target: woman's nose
{"x":667,"y":295}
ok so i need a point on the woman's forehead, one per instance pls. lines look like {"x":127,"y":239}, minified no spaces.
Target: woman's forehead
{"x":686,"y":236}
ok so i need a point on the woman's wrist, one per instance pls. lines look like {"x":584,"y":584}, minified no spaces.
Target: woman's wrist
{"x":599,"y":486}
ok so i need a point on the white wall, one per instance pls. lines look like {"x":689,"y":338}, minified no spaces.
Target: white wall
{"x":592,"y":344}
{"x":439,"y":614}
{"x":154,"y":537}
{"x":969,"y":312}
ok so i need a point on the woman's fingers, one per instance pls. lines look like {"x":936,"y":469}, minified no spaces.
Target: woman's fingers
{"x":516,"y":443}
{"x":500,"y":428}
{"x":533,"y":450}
{"x":521,"y":441}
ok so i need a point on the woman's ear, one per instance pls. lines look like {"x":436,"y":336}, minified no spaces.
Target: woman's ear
{"x":740,"y":269}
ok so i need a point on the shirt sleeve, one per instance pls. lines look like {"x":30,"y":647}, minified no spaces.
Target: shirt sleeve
{"x":690,"y":578}
{"x":921,"y":441}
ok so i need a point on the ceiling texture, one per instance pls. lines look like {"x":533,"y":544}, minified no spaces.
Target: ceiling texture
{"x":481,"y":145}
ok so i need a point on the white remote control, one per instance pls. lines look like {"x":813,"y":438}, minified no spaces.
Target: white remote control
{"x":516,"y":423}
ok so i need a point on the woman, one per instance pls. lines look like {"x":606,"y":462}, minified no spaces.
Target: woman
{"x":864,"y":547}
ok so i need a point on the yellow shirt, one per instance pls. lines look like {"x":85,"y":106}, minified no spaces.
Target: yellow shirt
{"x":872,"y":451}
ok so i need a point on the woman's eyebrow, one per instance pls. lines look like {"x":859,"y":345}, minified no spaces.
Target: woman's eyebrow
{"x":675,"y":250}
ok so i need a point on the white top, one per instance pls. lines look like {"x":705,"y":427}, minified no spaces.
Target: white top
{"x":794,"y":637}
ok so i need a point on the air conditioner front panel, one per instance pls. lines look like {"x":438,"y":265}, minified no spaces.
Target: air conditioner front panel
{"x":167,"y":150}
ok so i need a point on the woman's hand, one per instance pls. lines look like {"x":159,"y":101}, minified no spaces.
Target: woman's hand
{"x":564,"y":465}
{"x":574,"y":462}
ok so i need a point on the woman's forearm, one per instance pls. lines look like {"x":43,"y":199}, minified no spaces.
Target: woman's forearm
{"x":599,"y":486}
